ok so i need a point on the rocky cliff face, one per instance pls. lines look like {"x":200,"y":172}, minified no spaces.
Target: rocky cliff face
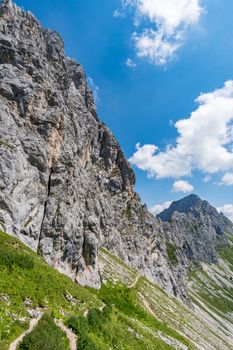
{"x":194,"y":230}
{"x":66,"y":187}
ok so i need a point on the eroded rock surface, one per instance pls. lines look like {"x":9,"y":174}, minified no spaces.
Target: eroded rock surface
{"x":66,"y":188}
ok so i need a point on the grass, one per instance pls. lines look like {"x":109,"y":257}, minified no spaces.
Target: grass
{"x":79,"y":325}
{"x":217,"y":297}
{"x":226,"y":253}
{"x":218,"y":302}
{"x":127,"y":212}
{"x":122,"y":324}
{"x":45,"y":336}
{"x":111,"y":329}
{"x":171,"y":253}
{"x":24,"y":274}
{"x":126,"y":301}
{"x":14,"y":259}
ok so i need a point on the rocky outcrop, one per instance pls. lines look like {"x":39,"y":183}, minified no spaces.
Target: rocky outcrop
{"x":197,"y":228}
{"x":194,"y":231}
{"x":66,"y":187}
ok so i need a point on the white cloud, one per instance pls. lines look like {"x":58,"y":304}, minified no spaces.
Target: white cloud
{"x":182,"y":186}
{"x":170,"y":14}
{"x":227,"y":179}
{"x":169,"y":21}
{"x":207,"y":178}
{"x":118,"y":13}
{"x":130,"y":63}
{"x":154,"y":46}
{"x":227,"y":210}
{"x":204,"y":142}
{"x":94,"y":88}
{"x":158,"y":208}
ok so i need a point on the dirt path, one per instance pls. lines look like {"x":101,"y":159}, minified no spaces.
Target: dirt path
{"x":85,"y":314}
{"x":147,"y":305}
{"x":16,"y":342}
{"x":70,"y":335}
{"x":135,"y":282}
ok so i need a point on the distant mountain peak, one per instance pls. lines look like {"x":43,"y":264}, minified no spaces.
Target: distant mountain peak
{"x":183,"y":205}
{"x":190,"y":204}
{"x":196,"y":208}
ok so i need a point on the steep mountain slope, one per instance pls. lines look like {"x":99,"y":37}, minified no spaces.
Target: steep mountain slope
{"x":194,"y":232}
{"x":29,"y":287}
{"x":208,"y":326}
{"x":66,"y":188}
{"x":128,"y":312}
{"x":67,"y":192}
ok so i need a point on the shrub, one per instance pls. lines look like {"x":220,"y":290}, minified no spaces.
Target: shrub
{"x":79,"y":325}
{"x":171,"y":253}
{"x":123,"y":298}
{"x":13,"y":258}
{"x":127,"y":212}
{"x":45,"y":336}
{"x":96,"y":318}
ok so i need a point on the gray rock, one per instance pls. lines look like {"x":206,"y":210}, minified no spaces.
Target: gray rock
{"x":66,"y":188}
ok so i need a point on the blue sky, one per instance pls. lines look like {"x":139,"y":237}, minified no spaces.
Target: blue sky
{"x":141,"y":104}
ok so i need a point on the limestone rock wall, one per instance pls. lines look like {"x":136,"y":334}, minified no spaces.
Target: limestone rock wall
{"x":66,"y":188}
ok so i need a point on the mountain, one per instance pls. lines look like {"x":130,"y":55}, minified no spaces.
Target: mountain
{"x":193,"y":204}
{"x":197,"y":228}
{"x":67,"y":192}
{"x":66,"y":187}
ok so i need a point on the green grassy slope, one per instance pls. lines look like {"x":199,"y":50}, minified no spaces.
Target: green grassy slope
{"x":25,"y":279}
{"x":127,"y":313}
{"x":211,"y":289}
{"x":29,"y":285}
{"x":204,"y":331}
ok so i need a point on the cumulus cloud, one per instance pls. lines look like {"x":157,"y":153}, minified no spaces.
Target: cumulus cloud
{"x":227,"y":179}
{"x":182,"y":186}
{"x":204,"y":142}
{"x":169,"y":21}
{"x":155,"y":46}
{"x":130,"y":63}
{"x":158,"y":208}
{"x":227,"y":210}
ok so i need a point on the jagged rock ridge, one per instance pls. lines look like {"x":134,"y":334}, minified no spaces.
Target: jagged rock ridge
{"x":194,"y":204}
{"x":197,"y":229}
{"x":66,"y":187}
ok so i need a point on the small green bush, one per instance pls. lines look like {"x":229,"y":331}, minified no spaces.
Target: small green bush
{"x":10,"y":259}
{"x":171,"y":253}
{"x":123,"y":298}
{"x":79,"y":325}
{"x":45,"y":336}
{"x":127,"y":212}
